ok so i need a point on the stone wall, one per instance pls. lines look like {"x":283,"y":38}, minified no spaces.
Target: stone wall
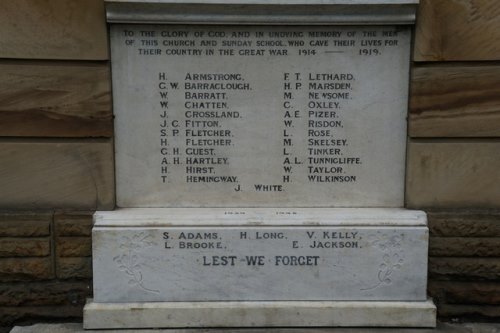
{"x":45,"y":265}
{"x":454,"y":152}
{"x":56,"y":153}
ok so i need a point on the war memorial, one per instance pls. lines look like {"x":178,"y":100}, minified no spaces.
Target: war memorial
{"x":260,"y":152}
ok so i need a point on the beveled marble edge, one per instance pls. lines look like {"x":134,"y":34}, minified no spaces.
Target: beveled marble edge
{"x":180,"y":217}
{"x":259,"y":314}
{"x":425,"y":304}
{"x":257,"y":12}
{"x":276,"y":2}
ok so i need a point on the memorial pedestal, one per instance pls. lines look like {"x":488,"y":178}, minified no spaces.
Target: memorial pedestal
{"x":182,"y":267}
{"x":228,"y":109}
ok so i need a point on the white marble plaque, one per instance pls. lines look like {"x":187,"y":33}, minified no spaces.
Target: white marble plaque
{"x":246,"y":116}
{"x":262,"y":254}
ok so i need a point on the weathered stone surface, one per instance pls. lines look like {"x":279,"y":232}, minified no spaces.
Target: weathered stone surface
{"x":460,"y":292}
{"x":457,"y":30}
{"x":55,"y":99}
{"x":24,"y":247}
{"x":470,"y":313}
{"x":74,"y":246}
{"x":74,"y":268}
{"x":44,"y":293}
{"x":464,"y":268}
{"x":73,"y":230}
{"x":41,"y":174}
{"x":455,"y":101}
{"x":25,"y":224}
{"x":464,"y":247}
{"x":464,"y":223}
{"x":26,"y":269}
{"x":30,"y":314}
{"x":453,"y":174}
{"x":53,"y":29}
{"x":73,"y":223}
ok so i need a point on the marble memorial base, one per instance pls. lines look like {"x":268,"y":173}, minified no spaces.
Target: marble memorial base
{"x":259,"y":267}
{"x":259,"y":314}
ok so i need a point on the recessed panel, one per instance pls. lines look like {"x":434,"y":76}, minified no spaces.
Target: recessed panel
{"x":254,"y":116}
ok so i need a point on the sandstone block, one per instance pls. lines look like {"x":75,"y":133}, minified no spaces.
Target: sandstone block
{"x":74,"y":246}
{"x":9,"y":315}
{"x":24,"y":247}
{"x":74,"y":268}
{"x":457,"y":30}
{"x":65,"y":99}
{"x":44,"y":293}
{"x":26,"y":269}
{"x":453,"y":174}
{"x":464,"y":247}
{"x":459,"y":292}
{"x":443,"y":268}
{"x":53,"y":29}
{"x":73,"y":223}
{"x":464,"y":223}
{"x":455,"y":101}
{"x":21,"y":224}
{"x":57,"y":174}
{"x":469,"y":312}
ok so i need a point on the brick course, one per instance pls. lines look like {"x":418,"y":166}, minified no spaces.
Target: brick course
{"x":45,"y":265}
